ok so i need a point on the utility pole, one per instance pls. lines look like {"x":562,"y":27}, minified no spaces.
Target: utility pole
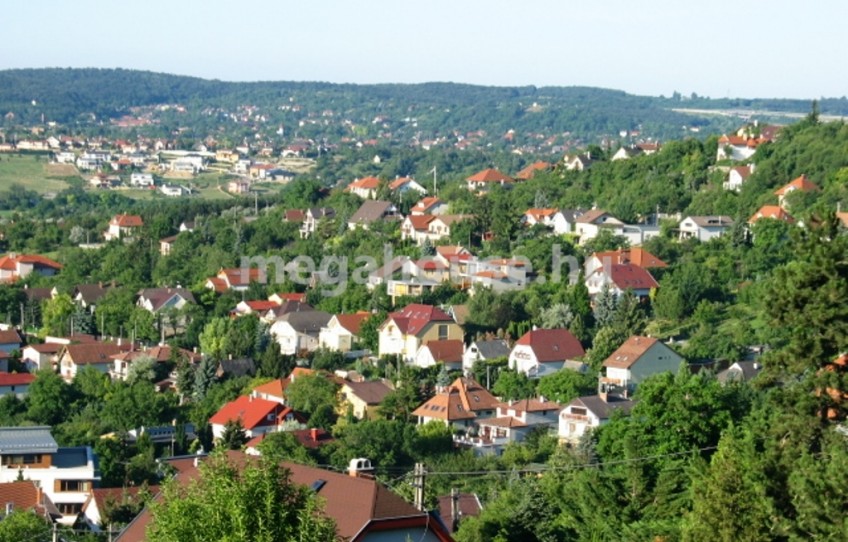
{"x":454,"y":499}
{"x":55,"y":532}
{"x":418,"y":484}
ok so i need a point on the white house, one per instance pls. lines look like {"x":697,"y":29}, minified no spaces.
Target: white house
{"x":40,"y":356}
{"x":484,"y":350}
{"x":586,"y":413}
{"x":550,"y":218}
{"x":406,"y":330}
{"x":541,"y":352}
{"x":589,"y":224}
{"x":704,"y":228}
{"x":257,"y":416}
{"x":297,"y":332}
{"x":402,"y":185}
{"x":342,"y":331}
{"x":513,"y":421}
{"x":65,"y":475}
{"x":141,"y":180}
{"x":620,"y":278}
{"x":635,"y":360}
{"x":737,"y":176}
{"x":448,"y":352}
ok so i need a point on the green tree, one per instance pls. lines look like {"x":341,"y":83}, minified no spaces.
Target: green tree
{"x":512,"y":385}
{"x":56,"y":315}
{"x":262,"y":504}
{"x":565,"y":385}
{"x":233,"y":436}
{"x":284,"y":446}
{"x":48,"y":398}
{"x":22,"y":525}
{"x":309,"y":392}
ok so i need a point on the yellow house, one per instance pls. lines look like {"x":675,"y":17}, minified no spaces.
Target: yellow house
{"x":364,"y":398}
{"x":405,"y":331}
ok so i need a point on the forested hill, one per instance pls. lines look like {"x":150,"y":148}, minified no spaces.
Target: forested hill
{"x":428,"y":110}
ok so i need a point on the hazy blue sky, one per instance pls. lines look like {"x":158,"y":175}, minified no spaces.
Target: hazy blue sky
{"x":746,"y":48}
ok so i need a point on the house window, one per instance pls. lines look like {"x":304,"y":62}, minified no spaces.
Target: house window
{"x":69,"y":508}
{"x":572,"y":428}
{"x":578,"y":411}
{"x":74,"y":485}
{"x":25,"y":459}
{"x":443,"y":332}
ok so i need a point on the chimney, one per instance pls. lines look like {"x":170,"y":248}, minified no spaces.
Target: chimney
{"x":313,"y":434}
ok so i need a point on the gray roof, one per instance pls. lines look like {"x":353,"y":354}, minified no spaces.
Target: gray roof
{"x":27,"y":440}
{"x":308,"y":322}
{"x":494,"y":348}
{"x":604,"y":409}
{"x":741,"y":371}
{"x":371,"y":211}
{"x":714,"y":221}
{"x":571,"y":215}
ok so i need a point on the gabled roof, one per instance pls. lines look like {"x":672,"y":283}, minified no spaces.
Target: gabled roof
{"x":601,"y":408}
{"x":10,"y":336}
{"x":371,"y":392}
{"x":772,"y":211}
{"x":93,"y":353}
{"x":801,"y":183}
{"x":528,"y":172}
{"x":252,"y":411}
{"x":16,"y":379}
{"x":632,"y":276}
{"x":10,"y":261}
{"x":468,"y":505}
{"x":365,"y":183}
{"x":636,"y":255}
{"x":370,"y":211}
{"x":493,"y":348}
{"x":425,"y":205}
{"x":25,"y":495}
{"x":91,"y":293}
{"x":294,"y":215}
{"x":420,"y":222}
{"x":399,"y":182}
{"x":275,"y":388}
{"x":589,"y":217}
{"x":127,"y":221}
{"x":459,"y":401}
{"x":448,"y":351}
{"x":552,"y":345}
{"x":158,"y":297}
{"x":743,"y":171}
{"x":741,"y":371}
{"x":237,"y":276}
{"x":490,"y":175}
{"x":540,"y":214}
{"x":119,"y":495}
{"x":352,"y":322}
{"x":710,"y":221}
{"x":413,"y":318}
{"x":629,"y":353}
{"x":308,"y":322}
{"x":27,"y":440}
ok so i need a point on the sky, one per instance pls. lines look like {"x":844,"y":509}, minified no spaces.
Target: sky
{"x":721,"y":48}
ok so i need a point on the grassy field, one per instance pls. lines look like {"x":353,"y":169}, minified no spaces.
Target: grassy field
{"x":33,"y":172}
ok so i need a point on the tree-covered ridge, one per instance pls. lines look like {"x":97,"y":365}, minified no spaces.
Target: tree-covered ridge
{"x":81,"y":97}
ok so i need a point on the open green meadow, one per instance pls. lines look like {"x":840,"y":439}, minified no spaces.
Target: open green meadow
{"x":33,"y":172}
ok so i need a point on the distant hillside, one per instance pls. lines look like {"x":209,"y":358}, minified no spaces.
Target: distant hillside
{"x":404,"y":112}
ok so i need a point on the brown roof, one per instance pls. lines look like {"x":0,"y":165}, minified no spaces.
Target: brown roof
{"x":25,"y":495}
{"x":626,"y":276}
{"x":371,"y":392}
{"x":294,"y":215}
{"x":629,"y":352}
{"x":467,"y":503}
{"x":490,"y":175}
{"x":127,"y":221}
{"x":158,"y":297}
{"x":635,"y":255}
{"x":459,"y":401}
{"x":448,"y":351}
{"x":420,"y":222}
{"x":528,"y":172}
{"x":532,"y":405}
{"x":552,"y":345}
{"x":352,"y":502}
{"x":10,"y":336}
{"x":16,"y":379}
{"x":93,"y":353}
{"x":352,"y":322}
{"x":101,"y":496}
{"x":591,"y":216}
{"x":414,"y":318}
{"x":370,"y":211}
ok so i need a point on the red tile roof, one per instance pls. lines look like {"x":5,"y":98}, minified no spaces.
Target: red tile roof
{"x":414,"y":317}
{"x":10,"y":336}
{"x":425,"y":204}
{"x":552,"y":345}
{"x":528,"y":172}
{"x":772,"y":211}
{"x":448,"y":351}
{"x":252,"y":411}
{"x":238,"y":277}
{"x":127,"y":221}
{"x":420,"y":222}
{"x":352,"y":322}
{"x":801,"y":183}
{"x":490,"y":175}
{"x":365,"y":183}
{"x":10,"y":262}
{"x":628,"y":353}
{"x":219,"y":285}
{"x":274,"y":388}
{"x":397,"y":183}
{"x":459,"y":401}
{"x":626,"y":276}
{"x":636,"y":255}
{"x":16,"y":379}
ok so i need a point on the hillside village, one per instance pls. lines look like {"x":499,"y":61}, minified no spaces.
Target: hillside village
{"x":502,"y":341}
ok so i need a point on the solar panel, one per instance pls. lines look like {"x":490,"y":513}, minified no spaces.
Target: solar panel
{"x":317,"y":485}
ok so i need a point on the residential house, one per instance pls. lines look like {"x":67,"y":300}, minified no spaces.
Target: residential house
{"x":549,"y":218}
{"x":73,"y":357}
{"x":294,"y":215}
{"x":284,"y":308}
{"x":362,"y":509}
{"x":738,"y":147}
{"x":191,"y":165}
{"x":312,"y":217}
{"x":737,"y":176}
{"x":141,"y":180}
{"x":236,"y":279}
{"x":159,"y":354}
{"x":100,"y":500}
{"x":4,"y":361}
{"x":259,"y":307}
{"x":342,"y":331}
{"x":626,"y":153}
{"x":448,"y":352}
{"x":431,"y":205}
{"x":88,"y":295}
{"x":27,"y":495}
{"x":541,"y":352}
{"x":298,"y":332}
{"x":483,"y":181}
{"x":158,"y":299}
{"x":388,"y":270}
{"x":622,"y":277}
{"x":238,"y":187}
{"x":406,"y":330}
{"x":402,"y":185}
{"x":588,"y":225}
{"x":16,"y":384}
{"x":704,"y":228}
{"x":166,"y":244}
{"x":416,"y":228}
{"x":312,"y":438}
{"x":498,"y":275}
{"x":417,"y":278}
{"x":257,"y":416}
{"x":65,"y":475}
{"x":586,"y":413}
{"x":10,"y":340}
{"x":364,"y":398}
{"x":365,"y":188}
{"x":459,"y":405}
{"x":235,"y":368}
{"x":740,"y":371}
{"x":513,"y":422}
{"x":371,"y":211}
{"x":578,"y":162}
{"x":272,"y":391}
{"x":635,"y":360}
{"x":17,"y":266}
{"x":174,"y":190}
{"x":530,"y":171}
{"x":636,"y":256}
{"x":484,"y":350}
{"x":41,"y":356}
{"x":123,"y":227}
{"x":440,"y":227}
{"x":281,"y":298}
{"x":800,"y":184}
{"x":773,"y":212}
